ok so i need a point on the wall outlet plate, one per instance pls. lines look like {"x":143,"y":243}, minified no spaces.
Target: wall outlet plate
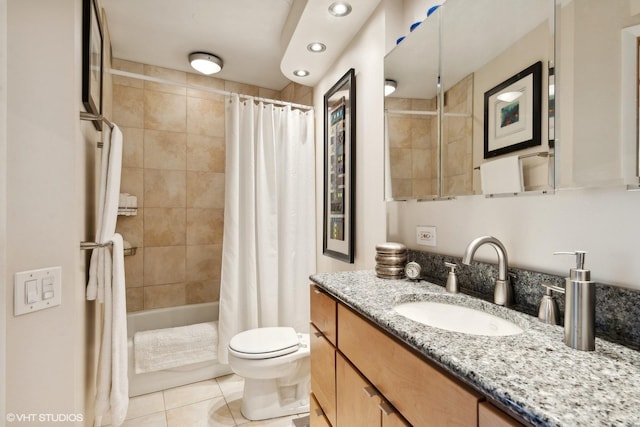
{"x":426,"y":235}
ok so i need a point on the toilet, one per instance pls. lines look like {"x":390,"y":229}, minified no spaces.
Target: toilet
{"x":274,"y":363}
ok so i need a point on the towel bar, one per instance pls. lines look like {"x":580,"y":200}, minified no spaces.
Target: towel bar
{"x":95,"y":117}
{"x":93,"y":245}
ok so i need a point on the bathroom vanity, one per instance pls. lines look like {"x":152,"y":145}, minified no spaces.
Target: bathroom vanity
{"x":372,"y":366}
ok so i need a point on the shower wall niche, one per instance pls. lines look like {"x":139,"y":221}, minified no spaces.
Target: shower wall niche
{"x":173,"y":161}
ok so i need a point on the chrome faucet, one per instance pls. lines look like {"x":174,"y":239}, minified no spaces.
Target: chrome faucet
{"x":502,"y":294}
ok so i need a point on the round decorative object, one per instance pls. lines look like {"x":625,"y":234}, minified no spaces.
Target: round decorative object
{"x":412,"y":270}
{"x":391,"y":248}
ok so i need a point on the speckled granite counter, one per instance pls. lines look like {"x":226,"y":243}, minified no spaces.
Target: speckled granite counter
{"x":534,"y":373}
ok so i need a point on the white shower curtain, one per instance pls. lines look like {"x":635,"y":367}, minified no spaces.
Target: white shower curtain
{"x":269,"y":219}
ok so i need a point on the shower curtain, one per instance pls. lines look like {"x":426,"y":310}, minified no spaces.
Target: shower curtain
{"x":269,"y":220}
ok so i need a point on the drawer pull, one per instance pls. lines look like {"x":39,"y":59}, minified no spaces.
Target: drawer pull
{"x":318,"y":334}
{"x":319,"y":412}
{"x":387,"y":408}
{"x":370,"y":391}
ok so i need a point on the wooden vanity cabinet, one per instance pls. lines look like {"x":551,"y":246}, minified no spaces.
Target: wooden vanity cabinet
{"x":490,"y":416}
{"x":323,"y":356}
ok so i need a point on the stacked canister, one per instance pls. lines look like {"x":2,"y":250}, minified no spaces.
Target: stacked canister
{"x":390,"y":260}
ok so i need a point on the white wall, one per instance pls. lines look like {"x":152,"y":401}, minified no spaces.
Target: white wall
{"x":3,"y":197}
{"x":47,"y":364}
{"x":364,"y":54}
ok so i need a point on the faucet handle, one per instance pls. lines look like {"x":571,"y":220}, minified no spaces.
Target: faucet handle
{"x":551,"y":287}
{"x":451,"y":265}
{"x":579,"y":257}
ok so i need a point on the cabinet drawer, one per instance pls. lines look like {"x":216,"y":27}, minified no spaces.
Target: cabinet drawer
{"x":422,"y":393}
{"x":323,"y":313}
{"x":316,"y":414}
{"x":356,"y":408}
{"x":490,"y":416}
{"x":323,"y":373}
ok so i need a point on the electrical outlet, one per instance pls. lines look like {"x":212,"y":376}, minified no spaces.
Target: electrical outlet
{"x":426,"y":235}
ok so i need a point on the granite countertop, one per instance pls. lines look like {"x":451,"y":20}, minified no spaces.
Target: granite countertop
{"x":534,"y":373}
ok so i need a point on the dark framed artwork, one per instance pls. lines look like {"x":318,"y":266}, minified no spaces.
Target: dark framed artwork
{"x":339,"y":165}
{"x":92,"y":61}
{"x":512,"y":113}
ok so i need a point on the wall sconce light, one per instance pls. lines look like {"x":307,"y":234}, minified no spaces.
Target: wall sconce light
{"x":205,"y":63}
{"x":389,"y":86}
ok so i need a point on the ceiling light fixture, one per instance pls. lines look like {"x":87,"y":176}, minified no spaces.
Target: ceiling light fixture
{"x":316,"y":47}
{"x":340,"y":8}
{"x":301,"y":73}
{"x":206,"y":63}
{"x":389,"y":86}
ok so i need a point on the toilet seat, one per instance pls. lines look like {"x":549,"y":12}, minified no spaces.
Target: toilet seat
{"x":264,"y":343}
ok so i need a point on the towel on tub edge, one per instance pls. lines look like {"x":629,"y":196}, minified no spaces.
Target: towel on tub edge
{"x":159,"y":349}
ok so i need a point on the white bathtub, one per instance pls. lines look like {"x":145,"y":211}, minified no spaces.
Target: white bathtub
{"x":170,"y":317}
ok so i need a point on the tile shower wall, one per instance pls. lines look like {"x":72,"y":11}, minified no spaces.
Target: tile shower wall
{"x":173,"y":161}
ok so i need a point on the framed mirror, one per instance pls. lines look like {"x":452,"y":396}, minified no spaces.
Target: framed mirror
{"x":339,"y":163}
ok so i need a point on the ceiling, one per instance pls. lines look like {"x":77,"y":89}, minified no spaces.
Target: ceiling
{"x":260,"y":41}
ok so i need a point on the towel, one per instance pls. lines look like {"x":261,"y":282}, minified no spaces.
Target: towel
{"x":502,"y":176}
{"x":112,"y":384}
{"x":100,"y":265}
{"x":167,"y":348}
{"x":127,"y":204}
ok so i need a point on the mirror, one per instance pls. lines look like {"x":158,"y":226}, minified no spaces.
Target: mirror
{"x":411,"y":115}
{"x":481,"y":45}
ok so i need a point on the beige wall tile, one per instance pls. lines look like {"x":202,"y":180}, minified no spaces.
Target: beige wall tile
{"x":401,"y":188}
{"x":132,"y":149}
{"x":400,"y":162}
{"x":207,"y":82}
{"x":165,"y":111}
{"x":135,"y":299}
{"x":399,"y":131}
{"x":205,"y":117}
{"x":131,"y":67}
{"x":268,"y":93}
{"x":205,"y":190}
{"x":163,"y":265}
{"x":204,"y":226}
{"x":164,"y":188}
{"x":134,"y":269}
{"x":131,"y":228}
{"x":164,"y":227}
{"x":132,"y":182}
{"x":128,"y":106}
{"x":164,"y":296}
{"x":241,"y":88}
{"x":203,"y":291}
{"x":421,"y":164}
{"x":165,"y":74}
{"x":165,"y":150}
{"x":205,"y":153}
{"x":203,"y":262}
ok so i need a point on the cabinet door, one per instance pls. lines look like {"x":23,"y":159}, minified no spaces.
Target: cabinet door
{"x":323,"y":313}
{"x":490,"y":416}
{"x":358,"y":402}
{"x":323,"y":373}
{"x":316,"y":414}
{"x":422,"y":393}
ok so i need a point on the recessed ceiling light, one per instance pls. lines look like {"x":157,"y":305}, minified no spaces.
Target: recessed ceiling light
{"x":340,"y":8}
{"x":389,"y":86}
{"x":316,"y":47}
{"x":301,"y":73}
{"x":206,"y":63}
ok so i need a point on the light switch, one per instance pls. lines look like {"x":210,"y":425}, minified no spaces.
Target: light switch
{"x":36,"y":290}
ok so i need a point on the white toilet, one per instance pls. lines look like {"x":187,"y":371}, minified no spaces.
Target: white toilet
{"x":275,"y":365}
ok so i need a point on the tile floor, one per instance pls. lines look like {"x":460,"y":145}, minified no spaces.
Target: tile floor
{"x":210,"y":403}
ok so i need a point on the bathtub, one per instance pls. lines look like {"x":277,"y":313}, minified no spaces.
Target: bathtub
{"x":170,"y":317}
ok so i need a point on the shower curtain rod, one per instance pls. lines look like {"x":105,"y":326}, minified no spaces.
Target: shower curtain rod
{"x":205,"y":89}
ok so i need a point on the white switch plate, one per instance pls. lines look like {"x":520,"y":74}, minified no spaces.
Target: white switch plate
{"x":45,"y":293}
{"x":426,"y":235}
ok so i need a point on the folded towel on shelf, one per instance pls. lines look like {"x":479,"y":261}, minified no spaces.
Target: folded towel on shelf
{"x":127,"y":204}
{"x":167,"y":348}
{"x":502,"y":176}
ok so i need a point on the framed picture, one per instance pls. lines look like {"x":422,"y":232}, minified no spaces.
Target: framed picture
{"x":339,"y":163}
{"x":512,"y":113}
{"x":92,"y":41}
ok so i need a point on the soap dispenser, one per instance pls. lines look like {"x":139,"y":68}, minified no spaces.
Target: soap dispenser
{"x":580,"y":306}
{"x":452,"y":279}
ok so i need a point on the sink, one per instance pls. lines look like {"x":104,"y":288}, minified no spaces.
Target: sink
{"x":457,"y":318}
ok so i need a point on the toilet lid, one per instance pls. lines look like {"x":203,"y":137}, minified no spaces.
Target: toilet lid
{"x":263,"y":343}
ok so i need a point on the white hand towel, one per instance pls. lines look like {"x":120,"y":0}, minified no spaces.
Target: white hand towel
{"x":502,"y":176}
{"x":100,"y":267}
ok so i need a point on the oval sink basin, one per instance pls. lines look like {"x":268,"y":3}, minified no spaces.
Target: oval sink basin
{"x":457,"y":318}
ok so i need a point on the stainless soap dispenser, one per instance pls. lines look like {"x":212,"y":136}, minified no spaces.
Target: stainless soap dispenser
{"x":580,"y":306}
